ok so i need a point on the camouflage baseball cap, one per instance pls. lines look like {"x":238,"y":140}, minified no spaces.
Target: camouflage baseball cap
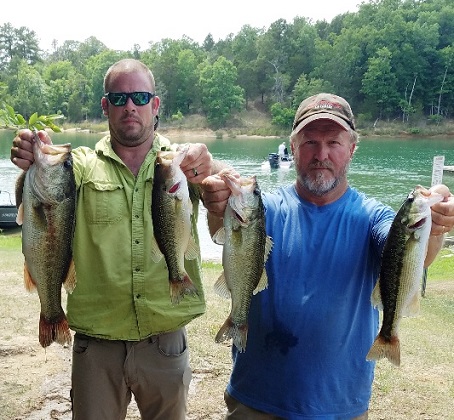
{"x":324,"y":106}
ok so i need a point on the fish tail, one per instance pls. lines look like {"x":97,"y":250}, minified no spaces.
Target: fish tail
{"x":56,"y":330}
{"x":237,"y":332}
{"x":385,"y":348}
{"x":180,"y":287}
{"x":240,"y":337}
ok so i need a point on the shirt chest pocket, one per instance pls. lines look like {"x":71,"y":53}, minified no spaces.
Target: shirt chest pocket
{"x":103,"y":203}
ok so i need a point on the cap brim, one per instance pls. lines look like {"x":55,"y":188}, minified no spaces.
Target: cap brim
{"x":322,"y":116}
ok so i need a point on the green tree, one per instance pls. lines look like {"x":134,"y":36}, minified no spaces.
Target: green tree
{"x":31,"y":92}
{"x":305,"y":87}
{"x":220,"y":92}
{"x":165,"y":69}
{"x":379,"y":82}
{"x":273,"y":57}
{"x":17,"y":43}
{"x":244,"y":48}
{"x":187,"y":75}
{"x":282,"y":116}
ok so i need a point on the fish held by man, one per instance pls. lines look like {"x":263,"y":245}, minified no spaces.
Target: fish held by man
{"x":245,"y":250}
{"x":46,"y":197}
{"x":171,"y":212}
{"x":398,"y":288}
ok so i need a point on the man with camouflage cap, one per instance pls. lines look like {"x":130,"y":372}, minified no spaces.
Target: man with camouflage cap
{"x":311,"y":329}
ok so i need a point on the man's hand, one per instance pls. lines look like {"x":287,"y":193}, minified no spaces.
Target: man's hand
{"x":442,"y":212}
{"x":22,"y":149}
{"x":442,"y":222}
{"x":197,"y":164}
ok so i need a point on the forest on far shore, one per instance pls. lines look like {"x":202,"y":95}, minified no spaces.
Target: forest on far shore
{"x":393,"y":60}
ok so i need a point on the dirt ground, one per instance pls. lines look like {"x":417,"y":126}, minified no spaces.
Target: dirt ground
{"x":36,"y":382}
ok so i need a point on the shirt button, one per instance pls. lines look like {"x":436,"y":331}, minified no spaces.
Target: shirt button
{"x":137,"y":269}
{"x":138,"y":296}
{"x":136,"y":241}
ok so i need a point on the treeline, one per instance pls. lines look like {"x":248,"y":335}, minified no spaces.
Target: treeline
{"x":393,"y":60}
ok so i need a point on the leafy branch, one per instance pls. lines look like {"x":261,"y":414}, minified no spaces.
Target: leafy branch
{"x":10,"y":119}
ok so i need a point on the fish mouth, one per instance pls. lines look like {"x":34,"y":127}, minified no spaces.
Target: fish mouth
{"x":52,"y":154}
{"x":418,"y":224}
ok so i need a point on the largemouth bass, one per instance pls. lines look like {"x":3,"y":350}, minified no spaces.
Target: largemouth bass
{"x":398,"y":288}
{"x":46,"y":196}
{"x":171,"y":211}
{"x":246,"y":249}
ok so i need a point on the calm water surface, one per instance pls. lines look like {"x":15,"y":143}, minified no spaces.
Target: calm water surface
{"x":383,"y":168}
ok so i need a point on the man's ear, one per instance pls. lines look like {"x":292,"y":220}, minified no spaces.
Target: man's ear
{"x":104,"y":106}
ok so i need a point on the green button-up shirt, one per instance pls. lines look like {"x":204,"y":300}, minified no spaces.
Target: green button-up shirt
{"x":121,"y":293}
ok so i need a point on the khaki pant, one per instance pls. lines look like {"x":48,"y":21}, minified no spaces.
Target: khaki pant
{"x":238,"y":411}
{"x":105,"y":373}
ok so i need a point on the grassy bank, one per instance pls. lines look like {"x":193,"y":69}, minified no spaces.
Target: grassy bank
{"x":34,"y":380}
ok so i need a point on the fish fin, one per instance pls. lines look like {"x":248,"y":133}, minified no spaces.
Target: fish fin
{"x":156,"y":254}
{"x":20,"y":215}
{"x":219,"y":236}
{"x":29,"y":283}
{"x":192,"y":250}
{"x":376,"y":297}
{"x":382,"y":348}
{"x":237,"y":332}
{"x":56,"y":330}
{"x":268,"y":247}
{"x":225,"y":332}
{"x":263,"y":283}
{"x":413,"y":307}
{"x":181,"y":287}
{"x":221,"y":288}
{"x":70,"y":281}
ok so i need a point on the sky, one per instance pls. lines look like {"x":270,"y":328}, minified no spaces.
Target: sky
{"x":120,"y":25}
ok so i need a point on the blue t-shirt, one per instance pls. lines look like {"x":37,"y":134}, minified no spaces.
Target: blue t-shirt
{"x":310,"y":330}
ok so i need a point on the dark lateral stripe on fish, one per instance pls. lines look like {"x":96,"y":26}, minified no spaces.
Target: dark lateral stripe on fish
{"x":393,"y":253}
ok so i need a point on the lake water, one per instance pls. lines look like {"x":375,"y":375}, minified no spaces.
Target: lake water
{"x":383,"y":168}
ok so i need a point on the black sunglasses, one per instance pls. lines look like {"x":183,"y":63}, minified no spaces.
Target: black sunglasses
{"x":138,"y":98}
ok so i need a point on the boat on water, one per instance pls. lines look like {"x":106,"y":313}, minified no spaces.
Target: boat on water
{"x":277,"y":162}
{"x":8,"y":214}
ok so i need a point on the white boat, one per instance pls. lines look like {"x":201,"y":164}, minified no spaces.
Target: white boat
{"x":276,"y":162}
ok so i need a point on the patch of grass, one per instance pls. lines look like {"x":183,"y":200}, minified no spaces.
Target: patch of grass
{"x":443,"y":266}
{"x":10,"y":241}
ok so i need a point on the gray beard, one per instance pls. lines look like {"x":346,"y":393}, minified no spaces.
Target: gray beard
{"x":321,"y":186}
